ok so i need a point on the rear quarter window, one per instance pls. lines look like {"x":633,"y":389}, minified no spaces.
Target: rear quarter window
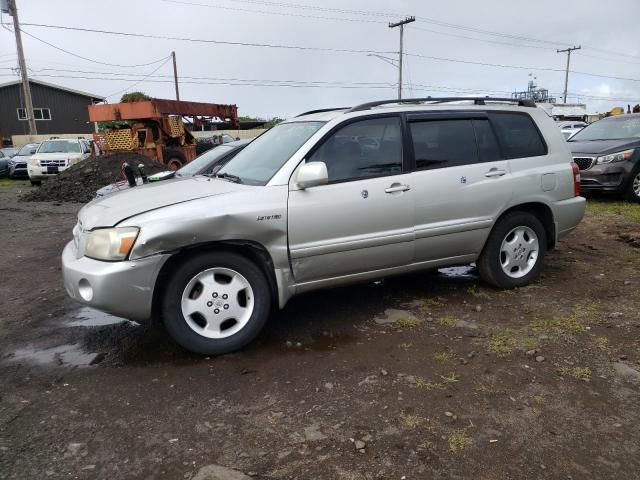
{"x":518,"y":135}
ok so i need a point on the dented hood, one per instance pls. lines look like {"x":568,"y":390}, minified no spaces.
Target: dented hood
{"x":110,"y":210}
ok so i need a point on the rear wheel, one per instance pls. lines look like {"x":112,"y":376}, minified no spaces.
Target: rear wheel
{"x":216,"y":303}
{"x":515,"y":250}
{"x":633,"y":189}
{"x":173,"y":159}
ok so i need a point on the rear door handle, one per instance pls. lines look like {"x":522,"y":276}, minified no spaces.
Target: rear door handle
{"x":397,"y":188}
{"x":494,"y":172}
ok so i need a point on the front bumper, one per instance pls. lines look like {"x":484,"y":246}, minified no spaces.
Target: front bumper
{"x":568,"y":214}
{"x":36,"y":172}
{"x":18,"y":170}
{"x":124,"y":289}
{"x":612,"y":177}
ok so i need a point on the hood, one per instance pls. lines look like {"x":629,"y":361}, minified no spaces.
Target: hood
{"x":603,"y":147}
{"x":55,"y":156}
{"x":112,"y":209}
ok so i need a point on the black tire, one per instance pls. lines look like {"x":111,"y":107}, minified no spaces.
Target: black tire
{"x":176,"y":323}
{"x":173,"y":159}
{"x":489,"y":263}
{"x":35,"y":183}
{"x":630,"y":193}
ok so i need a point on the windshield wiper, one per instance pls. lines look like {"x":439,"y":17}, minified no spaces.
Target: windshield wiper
{"x":228,"y":176}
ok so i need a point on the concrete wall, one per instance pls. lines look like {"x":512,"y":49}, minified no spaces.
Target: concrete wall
{"x":20,"y":140}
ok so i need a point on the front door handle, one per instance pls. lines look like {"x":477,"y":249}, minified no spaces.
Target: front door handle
{"x":397,"y":187}
{"x":494,"y":172}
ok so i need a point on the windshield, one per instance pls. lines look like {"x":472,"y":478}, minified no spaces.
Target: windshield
{"x":203,"y":161}
{"x":59,"y":146}
{"x":262,"y":158}
{"x":27,"y":150}
{"x":610,"y":129}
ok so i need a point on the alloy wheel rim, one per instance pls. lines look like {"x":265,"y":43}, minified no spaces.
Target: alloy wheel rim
{"x":519,"y":252}
{"x":636,"y":185}
{"x":217,"y":303}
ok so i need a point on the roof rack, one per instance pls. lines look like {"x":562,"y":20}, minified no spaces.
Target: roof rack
{"x":476,"y":100}
{"x":322,"y":110}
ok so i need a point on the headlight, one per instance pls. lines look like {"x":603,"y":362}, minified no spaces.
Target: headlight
{"x":615,"y":157}
{"x":110,"y":243}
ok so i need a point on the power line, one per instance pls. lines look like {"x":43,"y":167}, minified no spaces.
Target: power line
{"x":204,"y":40}
{"x":141,"y":80}
{"x":322,"y":49}
{"x":90,"y":59}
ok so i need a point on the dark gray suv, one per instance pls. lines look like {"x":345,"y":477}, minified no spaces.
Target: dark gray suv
{"x":608,"y":155}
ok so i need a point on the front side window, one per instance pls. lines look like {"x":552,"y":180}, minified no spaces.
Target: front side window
{"x":368,"y":148}
{"x":263,"y":157}
{"x":28,"y":149}
{"x":443,"y":143}
{"x":518,"y":135}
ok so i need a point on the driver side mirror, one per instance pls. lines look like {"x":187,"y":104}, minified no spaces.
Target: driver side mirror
{"x":312,"y":174}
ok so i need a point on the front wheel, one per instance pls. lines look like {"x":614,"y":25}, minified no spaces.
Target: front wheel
{"x":514,"y":253}
{"x":216,"y":303}
{"x":633,"y":190}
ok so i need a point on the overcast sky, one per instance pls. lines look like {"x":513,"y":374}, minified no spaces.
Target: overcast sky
{"x":609,"y":32}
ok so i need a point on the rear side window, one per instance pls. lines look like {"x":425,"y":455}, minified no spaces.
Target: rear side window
{"x":518,"y":135}
{"x":487,"y":143}
{"x":443,"y":143}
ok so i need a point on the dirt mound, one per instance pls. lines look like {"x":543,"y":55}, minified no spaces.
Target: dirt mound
{"x":80,"y":182}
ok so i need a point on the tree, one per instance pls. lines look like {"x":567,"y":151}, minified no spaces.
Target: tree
{"x":134,"y":97}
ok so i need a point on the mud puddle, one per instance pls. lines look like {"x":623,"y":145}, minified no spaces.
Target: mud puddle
{"x":63,"y":355}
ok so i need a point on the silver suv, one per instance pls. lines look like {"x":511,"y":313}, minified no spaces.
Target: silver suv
{"x":328,"y":198}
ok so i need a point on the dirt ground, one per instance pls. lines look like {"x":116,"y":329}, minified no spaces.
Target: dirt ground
{"x":430,"y":376}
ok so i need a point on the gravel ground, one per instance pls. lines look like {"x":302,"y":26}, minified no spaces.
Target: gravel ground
{"x":430,"y":376}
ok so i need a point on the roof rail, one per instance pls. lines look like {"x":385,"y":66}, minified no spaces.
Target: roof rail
{"x":322,"y":110}
{"x":476,"y":101}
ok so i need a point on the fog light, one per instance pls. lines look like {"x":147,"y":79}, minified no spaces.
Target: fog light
{"x":85,"y":290}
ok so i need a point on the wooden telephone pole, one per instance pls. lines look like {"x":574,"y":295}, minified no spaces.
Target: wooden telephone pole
{"x":566,"y":73}
{"x":12,"y":9}
{"x":401,"y":24}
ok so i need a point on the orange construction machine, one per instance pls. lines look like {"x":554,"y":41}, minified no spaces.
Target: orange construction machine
{"x":157,"y":128}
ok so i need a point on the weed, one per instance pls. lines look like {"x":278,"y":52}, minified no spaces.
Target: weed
{"x":451,"y":378}
{"x":458,"y":440}
{"x":502,"y":344}
{"x":425,"y":445}
{"x":538,"y":398}
{"x":434,"y":302}
{"x":411,"y":421}
{"x":577,"y":372}
{"x":442,"y":357}
{"x":406,"y":346}
{"x":447,"y":321}
{"x":405,"y":323}
{"x":476,"y":292}
{"x":602,"y":343}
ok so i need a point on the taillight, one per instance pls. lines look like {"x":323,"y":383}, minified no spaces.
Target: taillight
{"x":576,"y":179}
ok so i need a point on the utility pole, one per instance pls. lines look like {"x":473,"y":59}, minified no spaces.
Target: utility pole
{"x":401,"y":24}
{"x":26,"y":88}
{"x":175,"y":75}
{"x":566,"y":73}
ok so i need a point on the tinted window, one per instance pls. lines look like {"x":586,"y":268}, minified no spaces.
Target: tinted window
{"x":487,"y":144}
{"x":443,"y":143}
{"x":362,"y":149}
{"x":517,"y":135}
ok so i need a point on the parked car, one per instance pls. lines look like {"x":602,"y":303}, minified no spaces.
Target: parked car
{"x":608,"y":154}
{"x":54,"y":156}
{"x":8,"y":151}
{"x":202,"y":165}
{"x":18,"y":163}
{"x":570,"y":128}
{"x":326,"y":199}
{"x":207,"y":143}
{"x":4,"y":165}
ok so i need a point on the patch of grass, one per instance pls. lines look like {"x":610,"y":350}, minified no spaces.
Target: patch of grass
{"x":406,"y":346}
{"x":447,"y":320}
{"x":477,"y":292}
{"x":426,"y":384}
{"x":530,"y":343}
{"x":602,"y":343}
{"x":405,"y":323}
{"x":502,"y":344}
{"x":451,"y":378}
{"x":538,"y":399}
{"x":442,"y":357}
{"x":425,"y":445}
{"x":434,"y":302}
{"x":624,"y":209}
{"x":411,"y":421}
{"x":458,"y":440}
{"x":7,"y":182}
{"x":577,"y":372}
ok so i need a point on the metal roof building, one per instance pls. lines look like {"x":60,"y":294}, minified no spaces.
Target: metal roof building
{"x":57,"y":109}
